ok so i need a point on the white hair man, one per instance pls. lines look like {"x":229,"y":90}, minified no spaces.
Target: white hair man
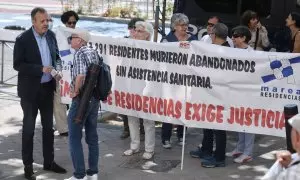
{"x":287,"y":166}
{"x":83,"y":57}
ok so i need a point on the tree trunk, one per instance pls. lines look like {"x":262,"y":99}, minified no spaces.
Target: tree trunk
{"x":62,"y":5}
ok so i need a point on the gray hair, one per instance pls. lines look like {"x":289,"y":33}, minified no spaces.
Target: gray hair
{"x":36,"y":10}
{"x":148,"y":27}
{"x":220,"y":30}
{"x":178,"y":18}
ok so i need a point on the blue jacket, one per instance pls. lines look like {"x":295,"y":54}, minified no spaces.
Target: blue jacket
{"x":172,"y":38}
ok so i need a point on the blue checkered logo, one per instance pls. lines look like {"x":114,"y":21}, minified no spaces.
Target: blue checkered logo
{"x":281,"y":69}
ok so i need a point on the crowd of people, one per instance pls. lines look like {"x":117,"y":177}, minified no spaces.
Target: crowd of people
{"x":37,"y":61}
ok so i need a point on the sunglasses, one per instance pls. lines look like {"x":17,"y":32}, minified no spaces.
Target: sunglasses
{"x":70,"y":38}
{"x":237,"y":35}
{"x":210,"y":24}
{"x":71,"y":22}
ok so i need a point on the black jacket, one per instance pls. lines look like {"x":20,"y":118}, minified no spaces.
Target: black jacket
{"x":172,"y":38}
{"x":226,"y":44}
{"x":28,"y":63}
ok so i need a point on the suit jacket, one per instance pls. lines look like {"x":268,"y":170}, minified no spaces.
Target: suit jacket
{"x":28,"y":62}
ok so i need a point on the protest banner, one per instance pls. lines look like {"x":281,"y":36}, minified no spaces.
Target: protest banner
{"x":195,"y":84}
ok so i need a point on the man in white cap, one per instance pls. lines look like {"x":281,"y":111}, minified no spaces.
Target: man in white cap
{"x":287,"y":166}
{"x":83,"y":57}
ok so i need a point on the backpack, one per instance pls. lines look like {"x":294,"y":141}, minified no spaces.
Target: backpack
{"x":86,"y":91}
{"x":104,"y":82}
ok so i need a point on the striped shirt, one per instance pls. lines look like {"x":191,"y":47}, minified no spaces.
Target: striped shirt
{"x":83,"y":57}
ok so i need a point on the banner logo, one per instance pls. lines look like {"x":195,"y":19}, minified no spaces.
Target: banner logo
{"x":281,"y":69}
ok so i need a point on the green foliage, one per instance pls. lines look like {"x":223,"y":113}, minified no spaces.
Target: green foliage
{"x":169,"y":9}
{"x":113,"y":12}
{"x":123,"y":12}
{"x":67,"y":7}
{"x":80,"y":9}
{"x":114,"y":9}
{"x":90,"y":5}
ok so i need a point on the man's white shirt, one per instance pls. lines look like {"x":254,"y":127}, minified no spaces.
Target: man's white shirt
{"x":208,"y":40}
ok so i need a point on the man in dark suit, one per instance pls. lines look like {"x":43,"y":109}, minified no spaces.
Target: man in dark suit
{"x":35,"y":58}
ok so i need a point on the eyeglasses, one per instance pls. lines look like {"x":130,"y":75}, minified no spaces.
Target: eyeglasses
{"x":183,"y":25}
{"x":71,"y":22}
{"x":70,"y":38}
{"x":237,"y":35}
{"x":210,"y":24}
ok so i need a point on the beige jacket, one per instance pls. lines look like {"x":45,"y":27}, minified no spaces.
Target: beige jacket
{"x":263,"y":40}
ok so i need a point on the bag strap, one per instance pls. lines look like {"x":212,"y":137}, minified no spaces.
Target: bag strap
{"x":256,"y":38}
{"x":100,"y":59}
{"x":295,"y":163}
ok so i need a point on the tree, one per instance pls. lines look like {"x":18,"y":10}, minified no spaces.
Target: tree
{"x":62,"y":5}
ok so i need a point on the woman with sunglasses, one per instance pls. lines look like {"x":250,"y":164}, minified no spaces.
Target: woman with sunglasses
{"x":243,"y":151}
{"x":179,"y":32}
{"x":259,"y":34}
{"x":69,"y":19}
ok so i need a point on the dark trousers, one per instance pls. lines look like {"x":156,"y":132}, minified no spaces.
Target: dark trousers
{"x":166,"y":131}
{"x":126,"y":127}
{"x":44,"y":103}
{"x":208,"y":141}
{"x":288,"y":129}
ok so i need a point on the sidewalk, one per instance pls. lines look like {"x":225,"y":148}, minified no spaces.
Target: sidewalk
{"x":114,"y":166}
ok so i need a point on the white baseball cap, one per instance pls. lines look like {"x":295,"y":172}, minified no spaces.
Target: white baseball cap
{"x":295,"y":122}
{"x":82,"y":33}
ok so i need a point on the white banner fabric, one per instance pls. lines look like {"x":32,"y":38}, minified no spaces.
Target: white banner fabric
{"x":195,"y":84}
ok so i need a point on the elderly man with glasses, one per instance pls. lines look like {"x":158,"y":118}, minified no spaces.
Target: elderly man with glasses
{"x":287,"y":166}
{"x":210,"y":24}
{"x":83,"y":58}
